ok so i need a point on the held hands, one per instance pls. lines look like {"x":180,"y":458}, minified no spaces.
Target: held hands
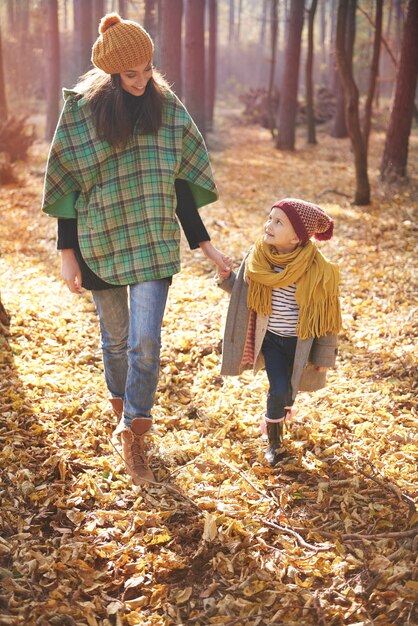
{"x":222,"y":262}
{"x":70,"y":271}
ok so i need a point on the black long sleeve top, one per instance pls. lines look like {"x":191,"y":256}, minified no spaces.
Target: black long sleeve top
{"x":186,"y":211}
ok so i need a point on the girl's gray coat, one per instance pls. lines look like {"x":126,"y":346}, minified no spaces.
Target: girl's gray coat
{"x":311,"y":353}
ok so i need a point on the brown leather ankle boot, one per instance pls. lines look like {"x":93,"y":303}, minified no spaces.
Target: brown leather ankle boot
{"x":117,"y":406}
{"x":134,"y":450}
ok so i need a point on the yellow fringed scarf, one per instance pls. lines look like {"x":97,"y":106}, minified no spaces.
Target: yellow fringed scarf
{"x":316,"y":279}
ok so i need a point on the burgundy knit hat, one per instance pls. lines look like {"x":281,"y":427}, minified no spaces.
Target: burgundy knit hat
{"x":308,"y":220}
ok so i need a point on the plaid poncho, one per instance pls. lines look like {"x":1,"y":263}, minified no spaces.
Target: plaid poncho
{"x":124,"y":199}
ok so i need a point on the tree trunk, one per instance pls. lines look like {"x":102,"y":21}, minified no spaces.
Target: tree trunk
{"x":97,"y":14}
{"x":310,"y":113}
{"x":395,"y":154}
{"x":231,"y":27}
{"x":4,"y":319}
{"x":150,"y":18}
{"x":346,"y":14}
{"x":53,"y":68}
{"x":11,"y":15}
{"x":238,"y":28}
{"x":170,"y":13}
{"x":123,"y":8}
{"x":82,"y":34}
{"x":194,"y":62}
{"x":263,"y":23}
{"x":3,"y":100}
{"x":289,"y":89}
{"x":274,"y":23}
{"x":212,"y":54}
{"x":374,"y":69}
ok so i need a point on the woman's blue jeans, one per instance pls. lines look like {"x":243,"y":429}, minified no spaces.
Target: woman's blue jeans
{"x":130,"y":327}
{"x":279,"y":355}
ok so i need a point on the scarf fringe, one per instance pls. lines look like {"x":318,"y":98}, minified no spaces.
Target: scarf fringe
{"x":319,"y":319}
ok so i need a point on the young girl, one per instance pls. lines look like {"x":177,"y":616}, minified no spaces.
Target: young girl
{"x":284,"y":311}
{"x":126,"y":159}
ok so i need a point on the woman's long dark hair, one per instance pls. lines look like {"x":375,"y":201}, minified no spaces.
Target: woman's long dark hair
{"x":113,"y":121}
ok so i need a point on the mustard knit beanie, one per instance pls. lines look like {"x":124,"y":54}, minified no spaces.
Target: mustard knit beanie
{"x":121,"y":45}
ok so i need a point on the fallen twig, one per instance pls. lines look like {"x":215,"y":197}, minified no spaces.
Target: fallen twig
{"x":359,"y":537}
{"x":398,"y":493}
{"x":242,"y":475}
{"x":300,"y":540}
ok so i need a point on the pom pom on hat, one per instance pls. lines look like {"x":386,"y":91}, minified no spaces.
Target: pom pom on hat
{"x":107,"y":21}
{"x":308,"y":220}
{"x":121,"y":45}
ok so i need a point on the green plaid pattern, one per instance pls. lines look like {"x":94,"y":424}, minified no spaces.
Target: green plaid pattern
{"x":124,"y":199}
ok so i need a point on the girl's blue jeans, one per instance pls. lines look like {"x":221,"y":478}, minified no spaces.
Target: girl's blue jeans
{"x":279,"y":355}
{"x":130,"y":327}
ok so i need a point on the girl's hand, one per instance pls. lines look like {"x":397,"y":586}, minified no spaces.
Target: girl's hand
{"x":222,"y":262}
{"x":70,"y":270}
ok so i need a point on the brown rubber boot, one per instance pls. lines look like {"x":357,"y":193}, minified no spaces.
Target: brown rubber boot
{"x":134,"y":451}
{"x":275,"y":451}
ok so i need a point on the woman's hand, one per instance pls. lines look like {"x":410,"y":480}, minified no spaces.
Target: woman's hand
{"x":70,"y":270}
{"x":222,"y":262}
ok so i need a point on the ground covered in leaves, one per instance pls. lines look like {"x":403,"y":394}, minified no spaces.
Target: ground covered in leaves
{"x":329,"y":537}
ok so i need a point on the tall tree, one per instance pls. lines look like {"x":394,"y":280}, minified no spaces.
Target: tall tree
{"x":212,"y":61}
{"x":194,"y":61}
{"x":123,"y":8}
{"x":395,"y":154}
{"x":83,"y":12}
{"x":263,"y":24}
{"x":98,"y":11}
{"x":3,"y":100}
{"x":310,"y":114}
{"x":374,"y":70}
{"x":150,"y":18}
{"x":231,"y":27}
{"x":274,"y":28}
{"x":11,"y":15}
{"x":170,"y":13}
{"x":289,"y":88}
{"x":53,"y":68}
{"x":339,"y":128}
{"x":345,"y":18}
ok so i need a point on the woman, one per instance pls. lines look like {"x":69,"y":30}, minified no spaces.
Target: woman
{"x":127,"y":158}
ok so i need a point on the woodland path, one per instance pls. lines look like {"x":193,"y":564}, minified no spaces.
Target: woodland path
{"x":327,"y":538}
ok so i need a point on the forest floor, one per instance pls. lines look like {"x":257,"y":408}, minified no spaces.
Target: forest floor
{"x":327,"y":538}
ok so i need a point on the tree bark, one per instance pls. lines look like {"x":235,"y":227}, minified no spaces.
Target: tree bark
{"x":212,"y":62}
{"x":4,"y":318}
{"x":289,"y":89}
{"x":374,"y":69}
{"x":3,"y":100}
{"x":82,"y":34}
{"x":150,"y":18}
{"x":53,"y":68}
{"x":97,"y":14}
{"x":231,"y":26}
{"x":274,"y":27}
{"x":395,"y":154}
{"x":194,"y":62}
{"x":170,"y":13}
{"x":123,"y":9}
{"x":346,"y":14}
{"x":310,"y":113}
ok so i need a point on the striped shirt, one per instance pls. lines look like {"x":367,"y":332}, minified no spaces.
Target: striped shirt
{"x":285,"y":311}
